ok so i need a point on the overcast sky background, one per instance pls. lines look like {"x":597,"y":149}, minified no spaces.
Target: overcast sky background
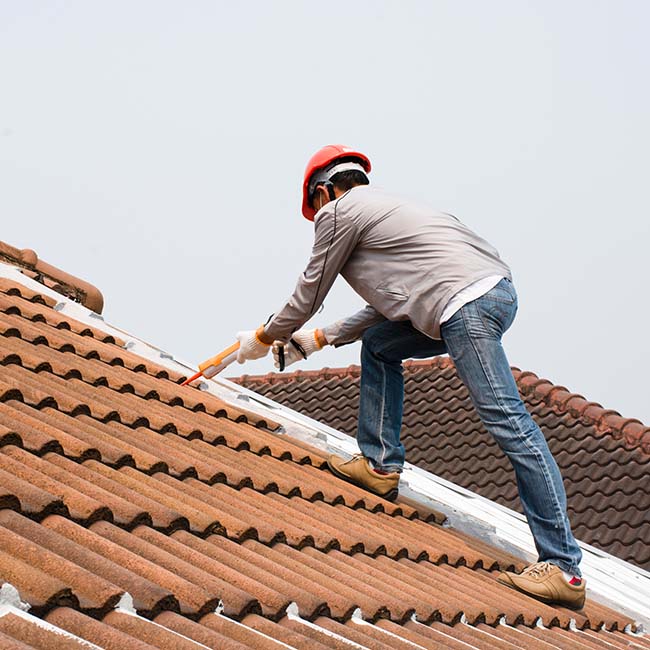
{"x":156,"y":149}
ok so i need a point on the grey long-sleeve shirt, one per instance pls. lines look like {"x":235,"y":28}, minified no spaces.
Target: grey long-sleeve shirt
{"x":403,"y":258}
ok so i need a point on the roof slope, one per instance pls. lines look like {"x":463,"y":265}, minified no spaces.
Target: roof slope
{"x":604,"y":458}
{"x":138,"y":513}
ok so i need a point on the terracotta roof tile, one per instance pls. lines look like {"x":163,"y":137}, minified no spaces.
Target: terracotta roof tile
{"x":114,"y":479}
{"x":281,"y":633}
{"x":341,"y":593}
{"x":143,"y":630}
{"x":11,"y":643}
{"x":102,"y":364}
{"x":38,"y":436}
{"x":323,"y":635}
{"x":38,"y":314}
{"x":154,"y":576}
{"x":167,"y":554}
{"x":15,"y":289}
{"x":27,"y":635}
{"x":381,"y":635}
{"x":27,"y":498}
{"x":211,"y":636}
{"x":236,"y":518}
{"x":124,"y":509}
{"x":251,"y":572}
{"x":30,"y":469}
{"x":162,"y":516}
{"x":603,"y":456}
{"x":248,"y":637}
{"x":40,"y":588}
{"x":94,"y":631}
{"x":94,"y":593}
{"x":68,"y":540}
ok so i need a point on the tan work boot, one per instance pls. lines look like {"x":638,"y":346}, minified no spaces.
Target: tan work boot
{"x":357,"y":470}
{"x":545,"y":582}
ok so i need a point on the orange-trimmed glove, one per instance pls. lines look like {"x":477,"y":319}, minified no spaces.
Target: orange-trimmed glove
{"x":251,"y":345}
{"x":301,"y":344}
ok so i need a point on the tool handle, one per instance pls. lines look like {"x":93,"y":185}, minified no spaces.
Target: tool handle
{"x":219,"y":362}
{"x":216,"y":364}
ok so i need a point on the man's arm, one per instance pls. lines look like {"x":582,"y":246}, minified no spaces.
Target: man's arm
{"x":304,"y":343}
{"x":334,"y":241}
{"x":350,"y":329}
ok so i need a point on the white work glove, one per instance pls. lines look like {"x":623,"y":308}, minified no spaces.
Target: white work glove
{"x":250,"y":345}
{"x":300,"y":346}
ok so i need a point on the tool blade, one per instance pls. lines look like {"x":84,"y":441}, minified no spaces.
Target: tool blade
{"x":192,"y":378}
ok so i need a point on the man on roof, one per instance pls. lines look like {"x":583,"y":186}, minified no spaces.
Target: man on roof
{"x":432,"y":286}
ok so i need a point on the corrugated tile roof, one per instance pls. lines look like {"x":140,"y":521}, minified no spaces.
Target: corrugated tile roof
{"x":132,"y":509}
{"x":604,"y":457}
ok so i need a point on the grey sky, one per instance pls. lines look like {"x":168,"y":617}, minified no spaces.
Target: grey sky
{"x":156,"y":149}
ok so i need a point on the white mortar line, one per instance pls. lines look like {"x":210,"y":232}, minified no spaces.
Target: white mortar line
{"x":448,"y":636}
{"x":8,"y":596}
{"x":279,"y":643}
{"x":130,"y":611}
{"x":294,"y":615}
{"x":358,"y":620}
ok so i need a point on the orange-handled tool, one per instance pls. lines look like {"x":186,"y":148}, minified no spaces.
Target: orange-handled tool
{"x":216,"y":364}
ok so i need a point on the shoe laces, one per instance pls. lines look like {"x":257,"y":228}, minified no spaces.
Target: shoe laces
{"x":537,"y":570}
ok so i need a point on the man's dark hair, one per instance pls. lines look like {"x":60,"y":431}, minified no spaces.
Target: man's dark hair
{"x":350,"y":178}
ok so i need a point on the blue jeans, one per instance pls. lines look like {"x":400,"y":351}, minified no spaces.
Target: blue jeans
{"x":472,"y":338}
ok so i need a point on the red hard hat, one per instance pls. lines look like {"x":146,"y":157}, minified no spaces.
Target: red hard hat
{"x":324,"y":158}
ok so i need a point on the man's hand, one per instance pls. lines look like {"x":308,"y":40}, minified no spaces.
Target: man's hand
{"x":251,"y":345}
{"x":300,"y":346}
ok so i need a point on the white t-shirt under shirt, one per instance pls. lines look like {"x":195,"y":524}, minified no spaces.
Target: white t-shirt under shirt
{"x":469,"y":293}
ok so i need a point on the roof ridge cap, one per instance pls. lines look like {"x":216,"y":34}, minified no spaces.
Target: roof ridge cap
{"x":605,"y":421}
{"x":440,"y":361}
{"x":65,"y":284}
{"x":297,"y":375}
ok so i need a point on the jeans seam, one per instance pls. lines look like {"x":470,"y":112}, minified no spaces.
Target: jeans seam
{"x":381,"y":417}
{"x":551,"y":488}
{"x":382,"y":362}
{"x":480,"y":312}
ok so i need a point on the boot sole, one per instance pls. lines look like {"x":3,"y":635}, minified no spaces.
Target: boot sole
{"x":389,"y":496}
{"x":549,"y":601}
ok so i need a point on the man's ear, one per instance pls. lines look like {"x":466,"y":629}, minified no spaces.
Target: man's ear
{"x":320,"y":197}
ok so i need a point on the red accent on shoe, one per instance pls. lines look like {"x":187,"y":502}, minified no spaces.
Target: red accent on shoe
{"x":380,"y":471}
{"x":575,"y":581}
